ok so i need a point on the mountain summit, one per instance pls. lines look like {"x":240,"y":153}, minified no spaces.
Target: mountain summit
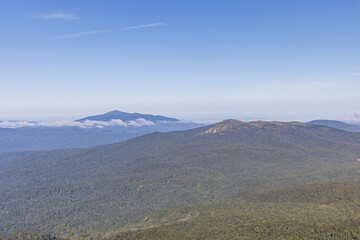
{"x":232,"y":125}
{"x":123,"y":116}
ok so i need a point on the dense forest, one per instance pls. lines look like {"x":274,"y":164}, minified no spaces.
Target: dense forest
{"x":310,"y":211}
{"x":231,"y":180}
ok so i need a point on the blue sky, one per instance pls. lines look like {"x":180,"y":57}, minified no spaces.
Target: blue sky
{"x":191,"y":59}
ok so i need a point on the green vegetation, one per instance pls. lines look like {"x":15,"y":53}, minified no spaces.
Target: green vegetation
{"x":142,"y":182}
{"x":35,"y":236}
{"x":312,"y":211}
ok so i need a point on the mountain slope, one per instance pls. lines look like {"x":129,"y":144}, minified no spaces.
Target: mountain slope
{"x":337,"y":125}
{"x":109,"y":187}
{"x":127,"y":117}
{"x":311,"y":211}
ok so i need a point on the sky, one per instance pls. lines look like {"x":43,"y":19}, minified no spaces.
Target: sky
{"x":189,"y":59}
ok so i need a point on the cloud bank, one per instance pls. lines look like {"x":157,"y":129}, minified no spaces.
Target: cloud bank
{"x":85,"y":124}
{"x":55,"y":16}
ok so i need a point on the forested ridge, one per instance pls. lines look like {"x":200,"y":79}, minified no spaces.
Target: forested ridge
{"x":232,"y":177}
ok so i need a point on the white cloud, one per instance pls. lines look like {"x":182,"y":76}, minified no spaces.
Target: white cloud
{"x":60,"y":124}
{"x":140,"y":122}
{"x":80,"y":34}
{"x":55,"y":16}
{"x":86,"y":124}
{"x":17,"y":124}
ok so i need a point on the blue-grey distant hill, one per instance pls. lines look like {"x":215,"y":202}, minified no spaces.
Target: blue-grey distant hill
{"x":336,"y":124}
{"x":123,"y":116}
{"x":48,"y":138}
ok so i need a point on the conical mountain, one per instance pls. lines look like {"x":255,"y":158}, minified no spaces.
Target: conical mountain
{"x":127,"y":117}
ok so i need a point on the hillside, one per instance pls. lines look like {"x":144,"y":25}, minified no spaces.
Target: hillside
{"x":123,"y":116}
{"x":112,"y":187}
{"x":336,"y":124}
{"x":311,"y":211}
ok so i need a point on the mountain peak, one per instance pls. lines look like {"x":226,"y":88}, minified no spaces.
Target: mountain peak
{"x":123,"y":116}
{"x":223,"y":126}
{"x":230,"y":121}
{"x":236,"y":125}
{"x":114,"y":112}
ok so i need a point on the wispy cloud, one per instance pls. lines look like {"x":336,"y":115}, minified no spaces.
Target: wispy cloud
{"x":55,"y":16}
{"x":81,"y":34}
{"x":356,"y":74}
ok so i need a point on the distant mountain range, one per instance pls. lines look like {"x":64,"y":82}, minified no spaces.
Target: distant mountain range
{"x":111,"y":127}
{"x":123,"y":116}
{"x":336,"y":124}
{"x":116,"y":187}
{"x":107,"y":128}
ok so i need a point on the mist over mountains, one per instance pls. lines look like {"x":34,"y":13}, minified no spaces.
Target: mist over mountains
{"x":113,"y":118}
{"x":111,"y":127}
{"x":107,"y":128}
